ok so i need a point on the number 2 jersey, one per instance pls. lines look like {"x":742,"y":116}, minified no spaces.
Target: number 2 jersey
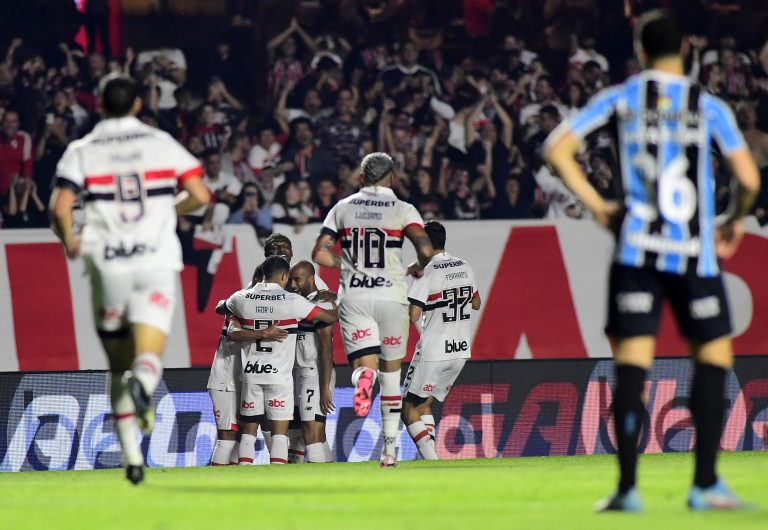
{"x":129,"y":173}
{"x":445,"y":294}
{"x":665,"y":127}
{"x":371,"y":226}
{"x":269,"y":362}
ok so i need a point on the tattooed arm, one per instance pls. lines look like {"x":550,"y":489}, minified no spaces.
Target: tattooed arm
{"x":323,"y":253}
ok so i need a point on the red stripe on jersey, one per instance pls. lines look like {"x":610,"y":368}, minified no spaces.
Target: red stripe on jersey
{"x":421,"y":435}
{"x":99,"y":180}
{"x":160,"y":174}
{"x":392,"y":233}
{"x":434,"y":296}
{"x":42,"y":305}
{"x":246,"y":322}
{"x":345,"y":231}
{"x":290,"y":322}
{"x":277,"y":461}
{"x":191,"y":173}
{"x":312,"y":314}
{"x":418,"y":225}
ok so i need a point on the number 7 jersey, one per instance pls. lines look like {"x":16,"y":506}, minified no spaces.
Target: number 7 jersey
{"x":445,"y":294}
{"x":371,"y":225}
{"x":666,"y":127}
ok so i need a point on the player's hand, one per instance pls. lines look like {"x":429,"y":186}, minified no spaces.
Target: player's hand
{"x":415,"y":270}
{"x":728,"y":237}
{"x":326,"y":401}
{"x":325,"y":295}
{"x":606,"y":215}
{"x":274,"y":333}
{"x":72,"y":248}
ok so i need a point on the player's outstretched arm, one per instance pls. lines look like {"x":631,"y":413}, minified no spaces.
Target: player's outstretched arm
{"x":323,"y":253}
{"x":62,"y":201}
{"x":325,"y":368}
{"x":731,"y":230}
{"x":423,"y":246}
{"x":326,"y":316}
{"x":195,"y":194}
{"x":236,"y":333}
{"x":560,"y":153}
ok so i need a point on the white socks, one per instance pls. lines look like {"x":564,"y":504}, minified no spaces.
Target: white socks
{"x":148,"y":369}
{"x":222,"y":451}
{"x":279,"y":452}
{"x":296,"y":446}
{"x":267,"y":440}
{"x":429,"y":423}
{"x":247,"y":450}
{"x":423,"y":441}
{"x":316,"y":453}
{"x":391,"y":404}
{"x":328,"y":451}
{"x":234,"y":453}
{"x":125,"y":421}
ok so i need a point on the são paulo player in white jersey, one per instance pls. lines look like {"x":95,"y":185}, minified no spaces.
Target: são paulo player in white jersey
{"x":314,"y":376}
{"x":224,"y":384}
{"x":267,"y":384}
{"x":441,"y":299}
{"x":128,"y":174}
{"x":373,"y":303}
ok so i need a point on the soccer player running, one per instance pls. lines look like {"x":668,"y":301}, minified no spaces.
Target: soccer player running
{"x":128,"y":174}
{"x":314,"y":376}
{"x":267,"y":384}
{"x":373,"y":304}
{"x":668,"y":241}
{"x":443,"y":299}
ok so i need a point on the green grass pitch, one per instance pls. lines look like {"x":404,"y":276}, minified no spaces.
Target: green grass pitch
{"x":525,"y":493}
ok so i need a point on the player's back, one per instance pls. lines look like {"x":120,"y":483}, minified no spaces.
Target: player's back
{"x":306,"y":341}
{"x":445,"y":294}
{"x":371,"y":225}
{"x":129,"y":173}
{"x":665,"y":127}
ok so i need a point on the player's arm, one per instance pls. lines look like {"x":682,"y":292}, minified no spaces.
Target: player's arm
{"x":324,"y":295}
{"x":221,"y":307}
{"x":424,"y":250}
{"x":326,"y":316}
{"x":747,"y":181}
{"x":236,"y":333}
{"x":414,"y":313}
{"x":323,"y":253}
{"x":476,"y":301}
{"x":63,"y":200}
{"x":325,"y":368}
{"x":194,"y":194}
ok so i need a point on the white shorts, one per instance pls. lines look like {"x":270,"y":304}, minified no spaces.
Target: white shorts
{"x":431,"y":378}
{"x":307,"y":387}
{"x":135,"y":297}
{"x":276,"y":401}
{"x":374,"y":326}
{"x":225,"y":409}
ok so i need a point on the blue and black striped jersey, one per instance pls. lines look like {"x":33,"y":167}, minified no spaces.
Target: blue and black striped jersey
{"x":665,"y":129}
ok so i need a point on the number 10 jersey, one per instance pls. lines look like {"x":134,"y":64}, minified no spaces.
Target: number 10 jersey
{"x":371,"y":225}
{"x":445,"y":294}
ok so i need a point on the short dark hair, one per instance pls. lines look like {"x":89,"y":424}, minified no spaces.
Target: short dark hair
{"x":272,"y":241}
{"x":659,"y":33}
{"x":376,"y":167}
{"x":298,"y":121}
{"x":550,"y":110}
{"x":117,"y":93}
{"x":258,"y":273}
{"x":274,"y":266}
{"x":436,"y":233}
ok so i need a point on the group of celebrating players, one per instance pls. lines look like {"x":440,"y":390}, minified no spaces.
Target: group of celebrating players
{"x":276,"y":348}
{"x":276,"y":345}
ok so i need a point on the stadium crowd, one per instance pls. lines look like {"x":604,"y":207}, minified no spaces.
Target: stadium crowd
{"x":462,"y":94}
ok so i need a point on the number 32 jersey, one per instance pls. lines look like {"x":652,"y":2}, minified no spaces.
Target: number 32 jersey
{"x":371,"y":225}
{"x":129,"y":174}
{"x":665,"y":127}
{"x":445,"y":294}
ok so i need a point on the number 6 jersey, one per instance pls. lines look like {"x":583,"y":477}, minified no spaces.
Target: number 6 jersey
{"x":129,"y":174}
{"x":371,"y":226}
{"x":445,"y":294}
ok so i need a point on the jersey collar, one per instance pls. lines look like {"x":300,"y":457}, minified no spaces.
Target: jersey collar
{"x":378,"y":190}
{"x":117,"y":124}
{"x":269,"y":286}
{"x":441,"y":256}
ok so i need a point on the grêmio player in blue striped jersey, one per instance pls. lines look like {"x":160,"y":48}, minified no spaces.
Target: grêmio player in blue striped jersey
{"x":668,"y":241}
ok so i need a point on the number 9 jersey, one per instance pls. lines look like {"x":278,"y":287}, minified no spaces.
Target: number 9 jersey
{"x":129,"y":174}
{"x":445,"y":294}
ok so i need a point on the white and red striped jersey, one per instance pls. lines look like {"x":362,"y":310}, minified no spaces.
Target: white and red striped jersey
{"x":307,"y":347}
{"x":445,"y":294}
{"x":371,"y":226}
{"x":129,"y":173}
{"x":225,"y":368}
{"x":269,"y":362}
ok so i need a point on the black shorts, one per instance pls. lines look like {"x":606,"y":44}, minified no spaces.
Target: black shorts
{"x":635,"y":296}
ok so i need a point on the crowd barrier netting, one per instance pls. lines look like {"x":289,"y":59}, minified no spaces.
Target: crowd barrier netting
{"x":61,"y":420}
